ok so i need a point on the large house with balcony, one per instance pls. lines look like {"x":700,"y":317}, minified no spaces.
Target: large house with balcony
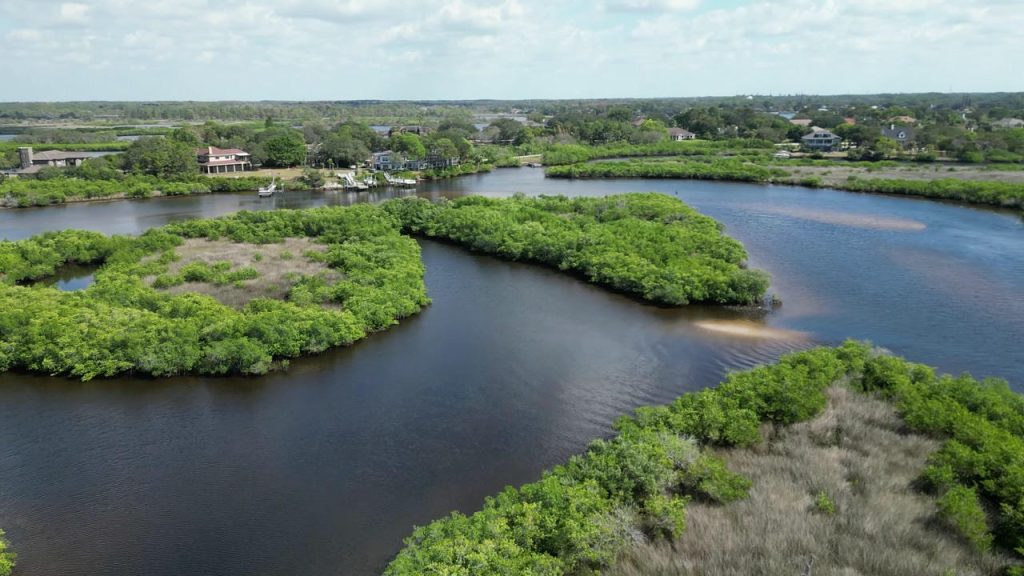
{"x":213,"y":160}
{"x":821,"y":140}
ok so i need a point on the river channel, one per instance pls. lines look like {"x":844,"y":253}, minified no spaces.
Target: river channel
{"x":323,"y":469}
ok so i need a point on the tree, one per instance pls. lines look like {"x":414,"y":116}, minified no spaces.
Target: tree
{"x":313,"y":178}
{"x":886,"y":146}
{"x":7,"y":557}
{"x":314,"y":131}
{"x":704,"y":122}
{"x":859,"y":134}
{"x":161,"y":157}
{"x":283,"y":147}
{"x":186,"y":135}
{"x":344,"y":150}
{"x":457,"y":127}
{"x":409,"y":144}
{"x":444,"y":148}
{"x":620,"y":114}
{"x":508,"y":129}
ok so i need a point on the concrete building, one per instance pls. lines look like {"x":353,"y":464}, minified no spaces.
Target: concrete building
{"x":213,"y":160}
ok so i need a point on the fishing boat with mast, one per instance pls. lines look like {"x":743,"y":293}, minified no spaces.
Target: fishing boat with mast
{"x":268,"y":191}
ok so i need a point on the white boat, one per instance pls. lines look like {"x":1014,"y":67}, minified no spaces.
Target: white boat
{"x":267,"y":191}
{"x":350,"y":183}
{"x":391,"y":180}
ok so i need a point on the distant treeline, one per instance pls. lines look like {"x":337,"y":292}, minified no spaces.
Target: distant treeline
{"x":717,"y":169}
{"x":648,"y":245}
{"x":119,"y":112}
{"x":635,"y":486}
{"x":558,"y":155}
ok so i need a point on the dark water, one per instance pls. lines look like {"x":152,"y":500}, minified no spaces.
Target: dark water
{"x":323,"y":469}
{"x":70,"y":277}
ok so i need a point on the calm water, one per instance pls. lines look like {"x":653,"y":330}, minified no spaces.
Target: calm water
{"x":323,"y":469}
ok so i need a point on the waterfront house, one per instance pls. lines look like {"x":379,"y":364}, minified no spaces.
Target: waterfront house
{"x":32,"y":162}
{"x":680,"y":134}
{"x":389,"y":161}
{"x":805,"y":122}
{"x":821,"y":140}
{"x":213,"y":160}
{"x":386,"y":160}
{"x":903,"y":135}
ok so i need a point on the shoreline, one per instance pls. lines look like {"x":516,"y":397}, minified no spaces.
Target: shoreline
{"x":1016,"y":208}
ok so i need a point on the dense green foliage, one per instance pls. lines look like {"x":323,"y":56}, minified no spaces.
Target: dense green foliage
{"x":1006,"y":194}
{"x":719,"y":169}
{"x":457,"y":170}
{"x":580,"y":514}
{"x":161,"y":157}
{"x":571,"y":154}
{"x":23,"y":192}
{"x":7,"y":556}
{"x":123,"y":324}
{"x":649,"y":245}
{"x":574,"y":519}
{"x":981,"y":464}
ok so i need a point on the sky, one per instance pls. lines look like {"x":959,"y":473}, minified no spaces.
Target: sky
{"x":503,"y":49}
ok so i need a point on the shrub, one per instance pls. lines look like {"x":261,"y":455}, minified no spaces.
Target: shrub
{"x":7,"y":556}
{"x":824,"y":504}
{"x":649,"y":245}
{"x":961,"y":508}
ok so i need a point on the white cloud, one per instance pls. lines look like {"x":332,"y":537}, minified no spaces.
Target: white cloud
{"x":73,"y":12}
{"x":650,"y":5}
{"x":509,"y":48}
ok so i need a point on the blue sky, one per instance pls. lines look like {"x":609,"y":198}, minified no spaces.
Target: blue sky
{"x":503,"y":49}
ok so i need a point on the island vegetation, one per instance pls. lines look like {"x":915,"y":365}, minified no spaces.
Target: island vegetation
{"x":971,"y":191}
{"x":650,"y":246}
{"x":603,"y":508}
{"x":7,"y":556}
{"x":357,"y":276}
{"x":244,"y":293}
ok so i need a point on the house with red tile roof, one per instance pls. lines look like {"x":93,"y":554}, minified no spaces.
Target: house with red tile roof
{"x":213,"y":160}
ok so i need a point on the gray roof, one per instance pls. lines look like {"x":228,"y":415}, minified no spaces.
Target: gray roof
{"x":898,"y":132}
{"x":61,"y":155}
{"x":820,"y":134}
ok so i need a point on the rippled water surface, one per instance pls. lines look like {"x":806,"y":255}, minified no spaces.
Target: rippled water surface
{"x":323,"y":469}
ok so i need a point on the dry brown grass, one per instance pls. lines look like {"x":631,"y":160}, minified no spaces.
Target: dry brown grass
{"x":859,"y":454}
{"x":275,"y":263}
